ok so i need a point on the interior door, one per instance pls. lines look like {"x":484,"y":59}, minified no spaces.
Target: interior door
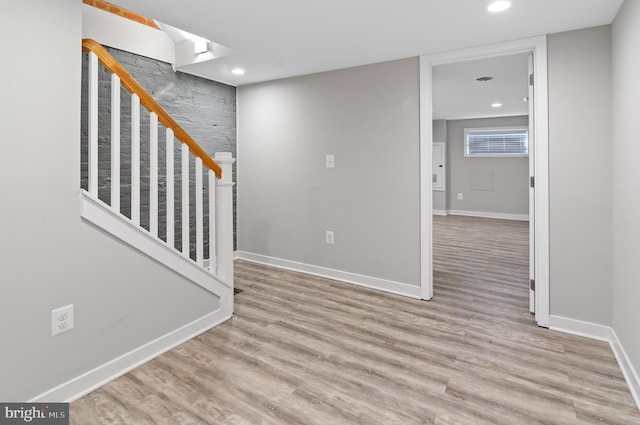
{"x":532,"y":269}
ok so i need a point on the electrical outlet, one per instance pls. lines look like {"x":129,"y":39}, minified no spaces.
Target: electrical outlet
{"x":61,"y":320}
{"x":329,"y":237}
{"x":330,"y":161}
{"x":459,"y":196}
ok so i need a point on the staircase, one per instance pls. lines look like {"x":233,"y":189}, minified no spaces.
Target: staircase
{"x":180,"y":212}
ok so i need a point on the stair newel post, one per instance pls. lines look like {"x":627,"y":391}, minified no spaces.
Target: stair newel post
{"x":224,"y":222}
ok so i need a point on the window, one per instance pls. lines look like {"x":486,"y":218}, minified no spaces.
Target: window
{"x":496,"y":141}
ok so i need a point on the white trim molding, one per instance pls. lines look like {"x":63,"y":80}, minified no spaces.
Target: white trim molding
{"x":390,"y":286}
{"x":537,"y":46}
{"x":602,"y":333}
{"x":102,"y":375}
{"x":487,"y":214}
{"x":440,"y":212}
{"x":629,"y":372}
{"x":580,"y":328}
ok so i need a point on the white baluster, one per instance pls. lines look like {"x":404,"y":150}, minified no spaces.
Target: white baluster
{"x":93,"y":125}
{"x":185,"y":200}
{"x":170,"y":188}
{"x":199,"y":214}
{"x":115,"y":143}
{"x":153,"y":174}
{"x":212,"y":222}
{"x":135,"y":159}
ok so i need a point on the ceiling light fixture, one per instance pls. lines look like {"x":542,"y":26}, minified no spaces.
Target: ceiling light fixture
{"x":484,"y":79}
{"x":237,"y":71}
{"x":499,"y":6}
{"x":496,"y":105}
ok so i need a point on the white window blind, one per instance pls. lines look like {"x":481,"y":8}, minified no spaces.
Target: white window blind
{"x":501,"y":142}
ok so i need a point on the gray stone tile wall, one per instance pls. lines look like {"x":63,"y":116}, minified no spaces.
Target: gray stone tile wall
{"x":205,"y":109}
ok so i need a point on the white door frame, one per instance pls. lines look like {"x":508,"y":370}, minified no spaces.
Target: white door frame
{"x":537,"y":45}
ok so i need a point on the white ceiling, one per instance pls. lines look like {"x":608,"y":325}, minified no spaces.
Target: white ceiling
{"x":458,"y":95}
{"x":283,"y":38}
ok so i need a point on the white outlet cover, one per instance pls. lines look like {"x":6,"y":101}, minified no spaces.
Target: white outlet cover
{"x":61,"y":320}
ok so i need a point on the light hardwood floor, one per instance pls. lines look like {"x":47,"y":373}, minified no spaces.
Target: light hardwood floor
{"x":306,"y":350}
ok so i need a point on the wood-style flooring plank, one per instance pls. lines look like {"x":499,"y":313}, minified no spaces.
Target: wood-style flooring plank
{"x":302,"y":349}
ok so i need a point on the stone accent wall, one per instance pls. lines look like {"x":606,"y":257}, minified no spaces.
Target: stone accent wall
{"x":205,"y":109}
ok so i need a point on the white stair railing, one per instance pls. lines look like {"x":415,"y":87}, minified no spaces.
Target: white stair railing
{"x":214,"y":191}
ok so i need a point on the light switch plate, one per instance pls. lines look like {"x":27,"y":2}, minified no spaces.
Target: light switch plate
{"x":330,"y":161}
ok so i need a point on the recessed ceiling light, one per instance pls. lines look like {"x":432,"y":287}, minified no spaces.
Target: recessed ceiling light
{"x":499,"y":6}
{"x":496,"y":105}
{"x":237,"y":71}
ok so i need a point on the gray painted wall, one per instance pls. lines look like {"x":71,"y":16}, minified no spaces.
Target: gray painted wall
{"x":205,"y":109}
{"x":626,"y":177}
{"x":51,"y":258}
{"x":440,"y":200}
{"x":579,"y":67}
{"x":509,"y":176}
{"x":368,"y":118}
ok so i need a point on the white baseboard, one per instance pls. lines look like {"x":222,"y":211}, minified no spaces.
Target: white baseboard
{"x":397,"y":288}
{"x":602,"y":333}
{"x":101,"y":375}
{"x":488,"y":214}
{"x":629,"y":372}
{"x":580,"y":328}
{"x":440,"y":212}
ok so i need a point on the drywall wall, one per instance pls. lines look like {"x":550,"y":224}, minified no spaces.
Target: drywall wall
{"x":440,"y":201}
{"x":488,"y":185}
{"x":50,"y":257}
{"x":368,"y":118}
{"x":626,"y":177}
{"x":579,"y":67}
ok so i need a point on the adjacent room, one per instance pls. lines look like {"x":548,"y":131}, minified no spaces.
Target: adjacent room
{"x":481,"y":167}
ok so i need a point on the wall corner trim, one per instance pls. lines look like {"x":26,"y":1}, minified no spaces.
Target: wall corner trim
{"x":397,"y":288}
{"x":89,"y":381}
{"x":629,"y":372}
{"x":602,"y":333}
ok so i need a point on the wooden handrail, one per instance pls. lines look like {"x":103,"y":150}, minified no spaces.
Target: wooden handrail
{"x":111,"y":64}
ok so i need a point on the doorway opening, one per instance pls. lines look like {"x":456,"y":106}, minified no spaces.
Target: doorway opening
{"x":538,"y":168}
